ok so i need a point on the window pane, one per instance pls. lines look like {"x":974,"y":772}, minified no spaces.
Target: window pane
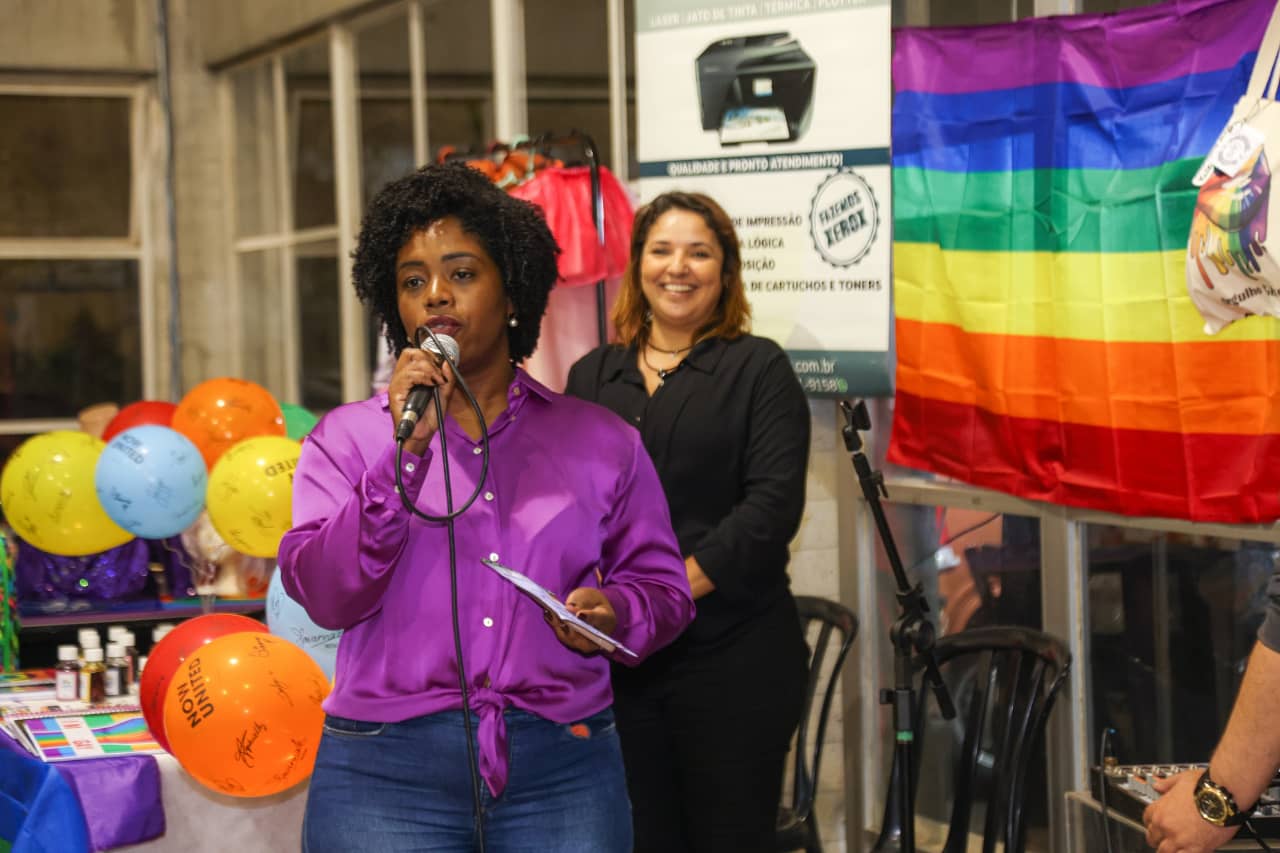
{"x":263,"y":323}
{"x":583,"y":70}
{"x":462,"y":122}
{"x":949,"y":13}
{"x":459,"y":43}
{"x":561,"y":116}
{"x":386,"y":136}
{"x":68,"y":336}
{"x":258,"y":207}
{"x":311,"y":135}
{"x":1172,"y":621}
{"x":1115,"y":5}
{"x":386,"y":115}
{"x":321,"y":358}
{"x":65,"y":167}
{"x":459,"y":59}
{"x":977,"y":569}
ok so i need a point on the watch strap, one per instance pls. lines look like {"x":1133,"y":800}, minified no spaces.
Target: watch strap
{"x":1238,"y":815}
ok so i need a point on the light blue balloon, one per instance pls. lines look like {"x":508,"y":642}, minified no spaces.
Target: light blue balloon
{"x":151,"y":481}
{"x":287,"y":619}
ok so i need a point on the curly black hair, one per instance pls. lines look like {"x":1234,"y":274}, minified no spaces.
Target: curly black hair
{"x":513,"y":232}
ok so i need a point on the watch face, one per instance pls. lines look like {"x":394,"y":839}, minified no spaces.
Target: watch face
{"x":1211,"y":805}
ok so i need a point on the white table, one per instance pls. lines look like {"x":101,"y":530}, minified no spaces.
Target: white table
{"x":199,"y":820}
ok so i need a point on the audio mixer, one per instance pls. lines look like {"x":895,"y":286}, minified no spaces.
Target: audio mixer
{"x":1130,"y":791}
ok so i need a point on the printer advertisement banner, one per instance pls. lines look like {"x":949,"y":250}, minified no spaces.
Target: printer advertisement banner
{"x":779,"y":110}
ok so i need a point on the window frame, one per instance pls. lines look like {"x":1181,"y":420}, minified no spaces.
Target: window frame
{"x":139,"y":245}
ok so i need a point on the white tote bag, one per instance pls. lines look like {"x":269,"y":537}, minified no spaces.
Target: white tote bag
{"x":1232,"y":271}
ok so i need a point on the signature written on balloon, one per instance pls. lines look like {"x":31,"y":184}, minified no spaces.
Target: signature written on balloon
{"x":313,"y":639}
{"x":300,"y":754}
{"x":245,"y":742}
{"x":281,"y":690}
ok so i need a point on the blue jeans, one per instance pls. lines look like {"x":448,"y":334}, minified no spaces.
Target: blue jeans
{"x":406,"y":786}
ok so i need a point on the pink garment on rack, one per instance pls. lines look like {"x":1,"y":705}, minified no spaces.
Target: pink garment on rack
{"x":564,"y":194}
{"x":569,"y":332}
{"x":569,"y":328}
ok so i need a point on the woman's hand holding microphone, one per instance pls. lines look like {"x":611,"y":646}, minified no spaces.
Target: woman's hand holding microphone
{"x":414,"y":414}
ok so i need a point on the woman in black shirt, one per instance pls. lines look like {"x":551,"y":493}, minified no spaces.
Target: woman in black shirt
{"x":706,"y":723}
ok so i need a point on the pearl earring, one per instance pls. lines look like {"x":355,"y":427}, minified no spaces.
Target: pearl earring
{"x":513,"y":321}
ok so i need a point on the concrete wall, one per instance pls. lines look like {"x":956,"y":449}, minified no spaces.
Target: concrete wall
{"x":83,"y":35}
{"x":229,"y":27}
{"x":201,"y":194}
{"x":815,"y":570}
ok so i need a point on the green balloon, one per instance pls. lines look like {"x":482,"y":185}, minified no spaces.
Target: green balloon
{"x":297,"y":421}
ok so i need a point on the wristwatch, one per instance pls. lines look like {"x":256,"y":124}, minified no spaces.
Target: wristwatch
{"x":1216,"y":804}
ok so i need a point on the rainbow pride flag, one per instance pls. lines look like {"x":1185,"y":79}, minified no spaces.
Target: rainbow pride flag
{"x":1046,"y":343}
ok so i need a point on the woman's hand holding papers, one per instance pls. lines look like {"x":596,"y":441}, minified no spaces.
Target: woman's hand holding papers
{"x":591,"y":606}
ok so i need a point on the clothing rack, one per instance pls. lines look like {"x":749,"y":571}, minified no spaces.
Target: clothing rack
{"x":579,"y":142}
{"x":570,"y":149}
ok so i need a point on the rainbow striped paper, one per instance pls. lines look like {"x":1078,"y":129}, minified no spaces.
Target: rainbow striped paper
{"x":72,"y":736}
{"x":1046,"y":343}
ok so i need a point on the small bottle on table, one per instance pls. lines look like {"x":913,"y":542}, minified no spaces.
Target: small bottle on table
{"x":93,"y":677}
{"x":66,"y":682}
{"x":116,"y":677}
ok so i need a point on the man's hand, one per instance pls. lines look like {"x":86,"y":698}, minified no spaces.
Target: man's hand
{"x":1173,"y":822}
{"x":591,"y":606}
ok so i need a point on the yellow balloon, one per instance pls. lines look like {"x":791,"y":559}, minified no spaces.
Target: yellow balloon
{"x":250,"y":498}
{"x":48,"y":495}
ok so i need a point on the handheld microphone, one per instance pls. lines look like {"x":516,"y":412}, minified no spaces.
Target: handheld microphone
{"x":420,"y":395}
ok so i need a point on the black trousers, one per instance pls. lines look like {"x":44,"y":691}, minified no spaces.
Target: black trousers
{"x":705,"y":732}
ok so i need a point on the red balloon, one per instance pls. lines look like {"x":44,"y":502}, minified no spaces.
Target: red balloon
{"x":168,"y":654}
{"x":155,"y":412}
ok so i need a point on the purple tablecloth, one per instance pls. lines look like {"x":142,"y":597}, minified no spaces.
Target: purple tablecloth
{"x":120,"y":796}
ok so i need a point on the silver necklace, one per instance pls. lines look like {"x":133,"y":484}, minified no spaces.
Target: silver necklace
{"x":662,"y":374}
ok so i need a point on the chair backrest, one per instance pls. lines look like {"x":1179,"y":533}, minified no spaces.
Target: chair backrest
{"x":834,"y":622}
{"x":1003,"y":681}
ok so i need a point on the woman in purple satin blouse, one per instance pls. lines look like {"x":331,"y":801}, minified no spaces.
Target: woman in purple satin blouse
{"x":571,"y":499}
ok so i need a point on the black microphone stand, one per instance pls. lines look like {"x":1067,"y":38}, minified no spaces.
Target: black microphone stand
{"x":912,"y":635}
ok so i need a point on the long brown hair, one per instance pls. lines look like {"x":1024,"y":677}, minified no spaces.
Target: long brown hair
{"x":732,"y":315}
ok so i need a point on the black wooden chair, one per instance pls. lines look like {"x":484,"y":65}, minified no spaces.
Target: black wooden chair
{"x":797,"y":823}
{"x":1003,"y":681}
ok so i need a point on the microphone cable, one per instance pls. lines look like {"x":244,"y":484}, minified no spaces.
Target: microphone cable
{"x":447,"y":519}
{"x":450,"y":514}
{"x":1257,"y":836}
{"x":1104,"y":752}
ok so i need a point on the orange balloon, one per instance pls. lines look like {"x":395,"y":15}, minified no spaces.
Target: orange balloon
{"x":243,"y":715}
{"x":168,"y":654}
{"x":222,"y":412}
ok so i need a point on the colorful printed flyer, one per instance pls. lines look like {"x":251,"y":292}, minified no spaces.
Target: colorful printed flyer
{"x":87,"y":734}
